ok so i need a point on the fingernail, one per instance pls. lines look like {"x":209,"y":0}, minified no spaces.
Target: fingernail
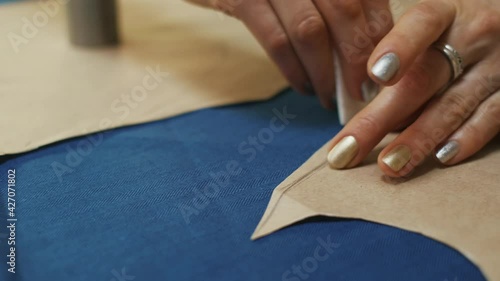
{"x":385,"y":68}
{"x":342,"y":154}
{"x":309,"y":89}
{"x":448,"y":151}
{"x":397,"y":158}
{"x":369,"y":90}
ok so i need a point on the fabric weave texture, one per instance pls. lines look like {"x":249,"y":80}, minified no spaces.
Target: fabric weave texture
{"x":178,"y":200}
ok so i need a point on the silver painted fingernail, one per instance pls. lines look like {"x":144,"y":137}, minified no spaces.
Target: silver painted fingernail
{"x":342,"y":154}
{"x":369,"y":90}
{"x":386,"y":67}
{"x":448,"y":151}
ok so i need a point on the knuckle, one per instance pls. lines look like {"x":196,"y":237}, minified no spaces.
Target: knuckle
{"x":429,"y":15}
{"x":454,"y":107}
{"x":416,"y":80}
{"x":474,"y":135}
{"x":277,"y":43}
{"x":494,"y":79}
{"x":368,"y":125}
{"x":492,"y":113}
{"x":309,"y":28}
{"x":403,"y":39}
{"x":349,"y":8}
{"x":487,"y":24}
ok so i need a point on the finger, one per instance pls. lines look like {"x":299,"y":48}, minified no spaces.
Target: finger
{"x":479,"y":130}
{"x":443,"y":115}
{"x":310,"y":38}
{"x":379,"y":22}
{"x":378,"y":19}
{"x":390,"y":109}
{"x":346,"y":21}
{"x":260,"y":19}
{"x":414,"y":32}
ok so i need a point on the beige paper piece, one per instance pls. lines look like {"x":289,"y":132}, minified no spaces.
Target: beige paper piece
{"x":347,"y":106}
{"x":50,"y":91}
{"x":459,"y":206}
{"x":63,"y":91}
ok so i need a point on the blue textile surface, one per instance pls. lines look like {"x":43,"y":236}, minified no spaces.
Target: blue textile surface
{"x":8,"y":1}
{"x":116,"y":206}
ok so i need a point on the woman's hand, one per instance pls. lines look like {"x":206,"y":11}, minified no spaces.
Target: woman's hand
{"x":300,"y":36}
{"x":452,"y":125}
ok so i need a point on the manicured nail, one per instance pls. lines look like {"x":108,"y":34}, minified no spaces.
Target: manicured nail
{"x":397,"y":158}
{"x":369,"y":90}
{"x":386,"y":67}
{"x":448,"y":151}
{"x":342,"y":154}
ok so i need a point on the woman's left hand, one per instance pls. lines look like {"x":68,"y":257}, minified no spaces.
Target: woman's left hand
{"x":452,"y":125}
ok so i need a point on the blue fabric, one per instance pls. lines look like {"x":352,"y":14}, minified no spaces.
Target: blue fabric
{"x":117,"y":212}
{"x":7,"y":1}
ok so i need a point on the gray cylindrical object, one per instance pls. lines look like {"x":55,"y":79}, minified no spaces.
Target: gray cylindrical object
{"x":93,"y":22}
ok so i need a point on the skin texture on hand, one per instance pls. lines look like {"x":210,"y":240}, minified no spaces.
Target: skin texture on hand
{"x":449,"y":121}
{"x":199,"y":2}
{"x":301,"y":37}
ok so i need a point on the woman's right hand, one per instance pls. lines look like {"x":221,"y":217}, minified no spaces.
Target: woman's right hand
{"x":300,"y":36}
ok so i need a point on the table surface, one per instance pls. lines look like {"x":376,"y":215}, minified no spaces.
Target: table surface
{"x":126,"y":205}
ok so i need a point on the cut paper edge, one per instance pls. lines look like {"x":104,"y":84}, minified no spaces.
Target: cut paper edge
{"x":295,"y":211}
{"x":347,"y":106}
{"x":278,"y":216}
{"x":284,"y":210}
{"x":143,"y":79}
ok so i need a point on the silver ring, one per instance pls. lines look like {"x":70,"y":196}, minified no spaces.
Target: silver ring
{"x":456,"y":61}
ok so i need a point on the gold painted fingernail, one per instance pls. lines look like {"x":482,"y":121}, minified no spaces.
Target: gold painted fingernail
{"x":398,"y":157}
{"x":447,"y":152}
{"x":342,"y":154}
